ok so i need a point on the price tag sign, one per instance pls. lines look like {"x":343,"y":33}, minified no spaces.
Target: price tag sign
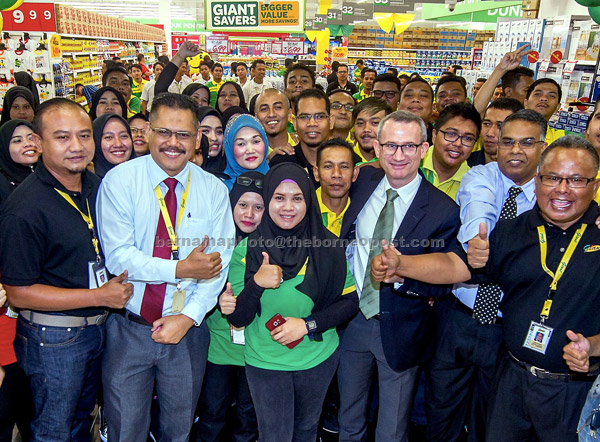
{"x":362,"y":12}
{"x":320,"y":22}
{"x":276,"y":47}
{"x":292,"y":46}
{"x":389,"y":6}
{"x":267,"y":46}
{"x":218,"y":44}
{"x":348,"y":13}
{"x":34,"y":17}
{"x":569,"y":67}
{"x":334,"y":16}
{"x":308,"y":24}
{"x":544,"y":66}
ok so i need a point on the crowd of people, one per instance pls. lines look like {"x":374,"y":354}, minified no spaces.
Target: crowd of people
{"x":216,"y":260}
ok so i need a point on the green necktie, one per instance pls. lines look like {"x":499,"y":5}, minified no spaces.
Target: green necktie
{"x":369,"y":297}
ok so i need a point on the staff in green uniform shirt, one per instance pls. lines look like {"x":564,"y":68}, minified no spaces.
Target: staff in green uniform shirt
{"x":294,"y":288}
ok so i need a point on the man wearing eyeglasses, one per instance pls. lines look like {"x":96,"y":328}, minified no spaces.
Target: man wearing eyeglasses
{"x":537,"y":258}
{"x":456,"y":131}
{"x":170,"y":224}
{"x":342,"y":105}
{"x":342,"y":81}
{"x":394,"y":331}
{"x":387,"y":87}
{"x":314,"y":125}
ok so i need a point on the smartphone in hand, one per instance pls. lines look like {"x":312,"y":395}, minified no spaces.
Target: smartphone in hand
{"x":275,"y":322}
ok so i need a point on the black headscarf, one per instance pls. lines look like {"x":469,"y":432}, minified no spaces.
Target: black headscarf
{"x":326,"y":269}
{"x":138,"y":115}
{"x":229,"y":113}
{"x":98,"y":95}
{"x":238,"y":88}
{"x":238,"y":190}
{"x":213,"y":165}
{"x":14,"y":173}
{"x":12,"y":94}
{"x":191,"y":88}
{"x":101,"y":164}
{"x":24,"y":79}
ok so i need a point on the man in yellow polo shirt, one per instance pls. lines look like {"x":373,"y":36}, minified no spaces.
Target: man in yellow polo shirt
{"x":592,"y":134}
{"x":455,"y":133}
{"x":367,"y":77}
{"x":272,"y":109}
{"x":544,"y":96}
{"x":335,"y":171}
{"x":216,"y":82}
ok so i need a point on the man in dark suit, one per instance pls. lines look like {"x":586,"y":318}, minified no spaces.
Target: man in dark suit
{"x":394,"y":331}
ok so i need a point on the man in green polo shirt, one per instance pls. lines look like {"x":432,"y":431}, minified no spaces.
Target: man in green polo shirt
{"x":367,"y":78}
{"x":216,"y":82}
{"x":456,"y":131}
{"x":138,"y":82}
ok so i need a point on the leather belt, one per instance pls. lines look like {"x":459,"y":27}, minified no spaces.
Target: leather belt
{"x":469,"y":311}
{"x":61,"y":320}
{"x":545,"y":374}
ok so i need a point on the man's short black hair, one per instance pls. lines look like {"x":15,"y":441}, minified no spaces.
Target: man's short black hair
{"x":256,"y":62}
{"x":530,"y":116}
{"x":47,"y":106}
{"x":572,"y":142}
{"x":509,"y":104}
{"x":342,"y":65}
{"x":393,"y":71}
{"x":334,"y":142}
{"x":418,"y":80}
{"x":481,"y":80}
{"x":158,"y":63}
{"x":288,"y":63}
{"x":205,"y":63}
{"x":136,"y":66}
{"x":241,"y":63}
{"x":114,"y":69}
{"x":216,"y":65}
{"x":78,"y":84}
{"x":451,"y":78}
{"x":365,"y":71}
{"x":542,"y":81}
{"x":390,"y":78}
{"x":372,"y":105}
{"x":140,"y":57}
{"x":334,"y":66}
{"x":174,"y":102}
{"x":404,"y":76}
{"x":340,"y":90}
{"x":360,"y":61}
{"x":464,"y":110}
{"x":312,"y":93}
{"x":299,"y":67}
{"x":512,"y":77}
{"x":163,"y":59}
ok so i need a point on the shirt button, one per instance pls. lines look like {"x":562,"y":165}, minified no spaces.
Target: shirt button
{"x":42,"y":344}
{"x":564,"y":233}
{"x":43,"y":328}
{"x":562,"y":249}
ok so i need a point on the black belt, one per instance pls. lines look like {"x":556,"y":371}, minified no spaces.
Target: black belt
{"x":545,"y":374}
{"x":469,"y":311}
{"x":133,"y":317}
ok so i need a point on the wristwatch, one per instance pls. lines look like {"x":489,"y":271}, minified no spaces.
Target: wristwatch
{"x":311,"y":326}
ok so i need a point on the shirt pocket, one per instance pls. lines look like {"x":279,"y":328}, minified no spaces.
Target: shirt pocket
{"x":193,"y":230}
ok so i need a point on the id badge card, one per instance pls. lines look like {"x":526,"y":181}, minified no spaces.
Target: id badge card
{"x":237,"y":335}
{"x":97,"y":274}
{"x":178,"y":301}
{"x":538,"y":337}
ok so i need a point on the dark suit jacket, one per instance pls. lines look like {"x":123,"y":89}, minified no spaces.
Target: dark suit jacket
{"x":407,"y":320}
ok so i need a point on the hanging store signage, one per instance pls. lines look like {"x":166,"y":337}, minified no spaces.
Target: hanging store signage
{"x":292,"y":46}
{"x":320,"y":22}
{"x":255,"y":16}
{"x":389,"y":6}
{"x":362,"y":12}
{"x":218,"y":44}
{"x":276,"y":47}
{"x":30,"y":17}
{"x":334,"y":17}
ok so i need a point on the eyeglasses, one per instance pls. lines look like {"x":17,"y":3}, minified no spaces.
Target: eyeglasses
{"x":337,"y":106}
{"x":574,"y":182}
{"x":465,"y":140}
{"x":525,"y":143}
{"x":318,"y":117}
{"x":407,"y":149}
{"x":136,"y":131}
{"x":247,"y":181}
{"x":388,"y":94}
{"x":181,"y":135}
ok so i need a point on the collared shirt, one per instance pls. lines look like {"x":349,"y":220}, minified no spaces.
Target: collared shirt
{"x":134,"y":106}
{"x":331,"y":220}
{"x":177,"y":87}
{"x":213,"y":87}
{"x":136,"y":88}
{"x":360,"y":95}
{"x":451,"y":185}
{"x":252,"y":88}
{"x":148,"y":94}
{"x":367,"y":219}
{"x":128,"y":214}
{"x":481,"y":196}
{"x":553,"y":134}
{"x":43,"y":239}
{"x":201,"y":80}
{"x":349,"y":86}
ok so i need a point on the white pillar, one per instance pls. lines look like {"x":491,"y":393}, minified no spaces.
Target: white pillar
{"x":164,"y":14}
{"x":554,"y":8}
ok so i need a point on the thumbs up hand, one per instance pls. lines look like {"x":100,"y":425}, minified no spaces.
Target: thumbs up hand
{"x":269,"y":276}
{"x":227,"y":301}
{"x":577,"y":352}
{"x":478,"y":250}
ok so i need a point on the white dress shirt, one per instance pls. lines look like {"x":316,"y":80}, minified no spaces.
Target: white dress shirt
{"x":128,"y":212}
{"x":148,"y":94}
{"x":481,"y":196}
{"x":251,"y":88}
{"x":177,"y":87}
{"x":367,"y":218}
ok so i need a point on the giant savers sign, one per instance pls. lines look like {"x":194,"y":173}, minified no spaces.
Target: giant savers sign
{"x":255,"y":16}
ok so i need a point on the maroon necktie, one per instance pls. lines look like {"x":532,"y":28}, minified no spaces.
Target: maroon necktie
{"x":154,"y":294}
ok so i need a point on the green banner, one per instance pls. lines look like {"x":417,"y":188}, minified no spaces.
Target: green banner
{"x":472,"y":10}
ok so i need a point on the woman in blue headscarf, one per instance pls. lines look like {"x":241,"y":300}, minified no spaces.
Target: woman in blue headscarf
{"x":246,"y":147}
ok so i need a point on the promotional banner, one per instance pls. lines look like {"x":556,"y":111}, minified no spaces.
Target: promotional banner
{"x":255,"y":16}
{"x":31,"y":17}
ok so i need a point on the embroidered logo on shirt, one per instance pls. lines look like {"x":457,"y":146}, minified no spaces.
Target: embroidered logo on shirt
{"x":591,"y":248}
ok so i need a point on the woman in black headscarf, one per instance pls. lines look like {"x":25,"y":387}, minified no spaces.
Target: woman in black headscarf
{"x":108,"y":100}
{"x":18,"y":155}
{"x":230,"y":94}
{"x":114,"y":143}
{"x":232,"y":112}
{"x":24,"y":79}
{"x":213,"y":157}
{"x":18,"y":104}
{"x":197,"y":92}
{"x":292,"y":280}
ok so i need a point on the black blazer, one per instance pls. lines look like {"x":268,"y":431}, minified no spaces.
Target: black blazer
{"x":430,"y":225}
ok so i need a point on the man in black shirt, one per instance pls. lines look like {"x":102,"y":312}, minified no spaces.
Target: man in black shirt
{"x":550,"y":318}
{"x":342,"y":81}
{"x":51,"y":267}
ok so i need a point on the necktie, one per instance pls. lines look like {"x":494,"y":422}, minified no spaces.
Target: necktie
{"x":154,"y":294}
{"x":369,"y":297}
{"x":488,"y":296}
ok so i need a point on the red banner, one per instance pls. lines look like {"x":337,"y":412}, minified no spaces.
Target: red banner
{"x":35,"y":17}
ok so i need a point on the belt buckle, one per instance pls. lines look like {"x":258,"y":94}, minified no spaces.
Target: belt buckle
{"x":101,"y":318}
{"x":533,"y":370}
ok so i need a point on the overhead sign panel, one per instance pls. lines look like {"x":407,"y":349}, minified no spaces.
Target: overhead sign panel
{"x":255,"y":16}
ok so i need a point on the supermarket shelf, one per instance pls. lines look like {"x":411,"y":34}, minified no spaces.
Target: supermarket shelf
{"x":410,"y":50}
{"x":92,"y":37}
{"x":73,"y":54}
{"x":413,"y":58}
{"x":86,"y":69}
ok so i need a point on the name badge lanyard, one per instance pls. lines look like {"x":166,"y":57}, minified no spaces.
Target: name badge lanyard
{"x":545,"y":313}
{"x":88,"y":220}
{"x":167,"y":219}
